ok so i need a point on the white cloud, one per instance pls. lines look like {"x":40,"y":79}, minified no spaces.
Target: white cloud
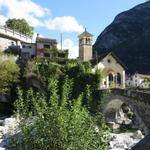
{"x":24,"y":9}
{"x":3,"y":19}
{"x":64,"y":24}
{"x":73,"y":49}
{"x":36,"y":16}
{"x":35,"y":35}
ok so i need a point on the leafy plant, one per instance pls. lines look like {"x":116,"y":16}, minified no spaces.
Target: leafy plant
{"x":9,"y":72}
{"x":58,"y":122}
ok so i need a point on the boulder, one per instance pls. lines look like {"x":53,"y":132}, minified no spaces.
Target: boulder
{"x":138,"y":135}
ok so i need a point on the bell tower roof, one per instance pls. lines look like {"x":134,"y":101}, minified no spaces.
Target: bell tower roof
{"x":85,"y":34}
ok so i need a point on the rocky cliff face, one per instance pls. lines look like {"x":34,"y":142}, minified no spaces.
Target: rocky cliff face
{"x":128,"y":36}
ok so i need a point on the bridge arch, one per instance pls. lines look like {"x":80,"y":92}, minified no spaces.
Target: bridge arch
{"x":114,"y":102}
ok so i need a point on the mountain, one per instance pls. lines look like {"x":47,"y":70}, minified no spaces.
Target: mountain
{"x":128,"y":36}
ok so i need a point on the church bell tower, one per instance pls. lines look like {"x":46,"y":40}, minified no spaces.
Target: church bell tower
{"x":85,"y":46}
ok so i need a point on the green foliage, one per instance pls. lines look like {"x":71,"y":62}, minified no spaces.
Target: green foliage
{"x":101,"y":74}
{"x":20,"y":25}
{"x":54,"y":122}
{"x":80,"y":73}
{"x":9,"y":72}
{"x":147,"y":82}
{"x":111,"y":84}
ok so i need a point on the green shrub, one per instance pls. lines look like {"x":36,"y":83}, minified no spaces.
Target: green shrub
{"x":58,"y":123}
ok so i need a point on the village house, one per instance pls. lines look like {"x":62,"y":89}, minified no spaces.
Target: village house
{"x":28,"y":49}
{"x":112,"y":67}
{"x":47,"y":48}
{"x":138,"y":80}
{"x":43,"y":48}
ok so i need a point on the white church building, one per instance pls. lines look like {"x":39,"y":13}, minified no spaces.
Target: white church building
{"x":109,"y":63}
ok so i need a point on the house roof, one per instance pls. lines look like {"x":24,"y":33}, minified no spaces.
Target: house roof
{"x":102,"y":56}
{"x":144,"y":76}
{"x":85,"y":34}
{"x":45,"y":40}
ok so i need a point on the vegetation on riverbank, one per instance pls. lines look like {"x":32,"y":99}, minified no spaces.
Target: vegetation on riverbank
{"x":58,"y":107}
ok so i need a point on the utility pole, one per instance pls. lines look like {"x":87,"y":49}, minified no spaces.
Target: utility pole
{"x":96,"y":55}
{"x":61,"y":40}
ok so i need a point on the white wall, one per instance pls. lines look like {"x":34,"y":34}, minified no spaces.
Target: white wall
{"x":136,"y":80}
{"x":28,"y":48}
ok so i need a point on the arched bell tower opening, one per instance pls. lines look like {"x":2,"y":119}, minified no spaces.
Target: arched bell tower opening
{"x":85,"y":46}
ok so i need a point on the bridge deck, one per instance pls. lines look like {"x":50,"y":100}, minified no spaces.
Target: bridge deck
{"x":11,"y":34}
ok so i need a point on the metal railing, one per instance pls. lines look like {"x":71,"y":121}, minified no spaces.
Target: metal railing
{"x":14,"y":35}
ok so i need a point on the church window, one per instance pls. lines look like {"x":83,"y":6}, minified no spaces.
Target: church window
{"x":118,"y":78}
{"x":110,"y":77}
{"x":109,"y":61}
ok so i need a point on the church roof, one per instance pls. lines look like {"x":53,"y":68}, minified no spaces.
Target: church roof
{"x":102,"y":56}
{"x":85,"y":34}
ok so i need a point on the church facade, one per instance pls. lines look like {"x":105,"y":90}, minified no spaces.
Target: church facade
{"x":111,"y":66}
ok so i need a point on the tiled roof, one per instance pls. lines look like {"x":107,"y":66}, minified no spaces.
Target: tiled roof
{"x":47,"y":40}
{"x":85,"y":34}
{"x":102,"y":56}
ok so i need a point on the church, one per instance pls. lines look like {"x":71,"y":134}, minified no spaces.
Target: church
{"x":109,"y":63}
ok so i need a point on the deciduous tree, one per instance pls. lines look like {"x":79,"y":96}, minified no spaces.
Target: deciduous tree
{"x":20,"y":25}
{"x":9,"y":72}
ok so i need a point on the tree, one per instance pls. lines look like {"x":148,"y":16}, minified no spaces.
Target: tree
{"x":9,"y":72}
{"x":20,"y":25}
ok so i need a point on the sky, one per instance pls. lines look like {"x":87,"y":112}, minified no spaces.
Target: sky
{"x":51,"y":18}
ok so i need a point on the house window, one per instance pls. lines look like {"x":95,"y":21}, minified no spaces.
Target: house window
{"x":47,"y":46}
{"x":23,"y":46}
{"x":30,"y":46}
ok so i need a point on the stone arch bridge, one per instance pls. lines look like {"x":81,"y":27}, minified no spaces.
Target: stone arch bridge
{"x":138,"y":101}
